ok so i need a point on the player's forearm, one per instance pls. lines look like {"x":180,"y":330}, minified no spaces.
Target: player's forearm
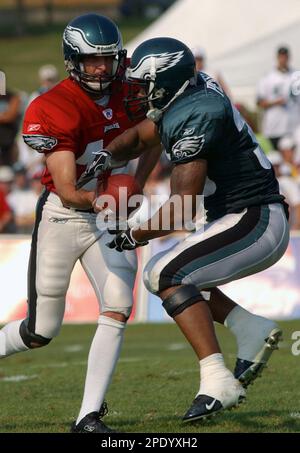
{"x":147,"y":163}
{"x":126,"y":146}
{"x":72,"y":198}
{"x":169,"y":218}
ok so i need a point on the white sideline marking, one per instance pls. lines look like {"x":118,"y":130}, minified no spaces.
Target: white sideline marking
{"x":18,"y":378}
{"x":295,"y":414}
{"x":176,"y":346}
{"x":73,"y":348}
{"x":82,"y":362}
{"x":51,"y":365}
{"x":172,"y":373}
{"x":132,"y":359}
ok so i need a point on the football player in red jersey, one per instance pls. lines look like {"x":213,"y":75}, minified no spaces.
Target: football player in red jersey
{"x":76,"y":118}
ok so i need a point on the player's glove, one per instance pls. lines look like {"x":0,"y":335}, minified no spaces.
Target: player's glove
{"x":99,"y":165}
{"x":125,"y":241}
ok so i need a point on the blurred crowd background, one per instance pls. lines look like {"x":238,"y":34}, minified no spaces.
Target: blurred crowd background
{"x":31,"y":57}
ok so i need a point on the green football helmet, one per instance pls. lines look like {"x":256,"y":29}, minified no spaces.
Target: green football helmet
{"x":92,"y":34}
{"x":161,"y":69}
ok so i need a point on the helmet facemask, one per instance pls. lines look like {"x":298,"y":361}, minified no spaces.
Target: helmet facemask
{"x":95,"y":83}
{"x":142,"y":96}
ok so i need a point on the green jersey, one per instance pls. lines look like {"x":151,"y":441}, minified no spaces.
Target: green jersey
{"x":203,"y":124}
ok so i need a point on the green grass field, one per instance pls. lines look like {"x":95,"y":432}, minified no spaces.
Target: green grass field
{"x":155,"y":382}
{"x":20,"y":58}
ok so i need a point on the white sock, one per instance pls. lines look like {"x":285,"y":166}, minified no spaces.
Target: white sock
{"x":217,"y":381}
{"x":250,"y":331}
{"x":212,"y":369}
{"x":10,"y":339}
{"x":103,"y":356}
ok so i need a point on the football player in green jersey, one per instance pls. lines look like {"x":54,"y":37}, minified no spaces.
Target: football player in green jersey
{"x":247,"y":231}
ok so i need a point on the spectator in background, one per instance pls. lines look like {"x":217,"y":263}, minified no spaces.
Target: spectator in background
{"x":10,"y":116}
{"x":273,"y":96}
{"x":6,"y":179}
{"x":2,"y":83}
{"x":22,"y":200}
{"x":296,"y":138}
{"x":6,"y":215}
{"x":35,"y":183}
{"x":200,"y":58}
{"x":48,"y":78}
{"x":288,"y":187}
{"x":287,"y":148}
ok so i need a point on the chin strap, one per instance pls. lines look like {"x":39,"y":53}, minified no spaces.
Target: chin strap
{"x":155,"y":114}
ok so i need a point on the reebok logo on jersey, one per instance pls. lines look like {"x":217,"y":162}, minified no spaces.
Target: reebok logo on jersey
{"x":188,"y":131}
{"x":108,"y":113}
{"x":33,"y":127}
{"x":40,"y":143}
{"x":187,"y":147}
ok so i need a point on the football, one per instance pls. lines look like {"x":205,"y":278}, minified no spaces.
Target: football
{"x":117,"y":193}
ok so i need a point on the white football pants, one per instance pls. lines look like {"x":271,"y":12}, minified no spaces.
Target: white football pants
{"x":61,"y":237}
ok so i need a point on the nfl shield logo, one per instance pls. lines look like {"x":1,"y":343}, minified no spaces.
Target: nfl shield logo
{"x":108,"y":113}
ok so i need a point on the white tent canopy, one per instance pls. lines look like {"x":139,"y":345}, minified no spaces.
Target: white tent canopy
{"x":240,"y":37}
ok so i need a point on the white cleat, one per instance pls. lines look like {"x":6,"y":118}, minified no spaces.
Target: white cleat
{"x":247,"y":371}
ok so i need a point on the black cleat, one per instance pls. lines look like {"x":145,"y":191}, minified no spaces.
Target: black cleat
{"x":205,"y":406}
{"x":246,"y":371}
{"x":202,"y":407}
{"x":91,"y":423}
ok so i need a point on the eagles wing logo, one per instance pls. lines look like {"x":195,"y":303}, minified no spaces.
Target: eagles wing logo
{"x":75,"y":38}
{"x":187,"y":147}
{"x":163,"y":61}
{"x":40,"y":143}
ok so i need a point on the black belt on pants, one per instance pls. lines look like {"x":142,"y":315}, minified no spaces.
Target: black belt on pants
{"x":88,"y":211}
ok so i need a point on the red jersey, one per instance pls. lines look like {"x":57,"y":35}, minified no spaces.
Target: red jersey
{"x":67,"y":119}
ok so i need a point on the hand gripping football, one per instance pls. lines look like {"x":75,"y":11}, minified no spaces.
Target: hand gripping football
{"x":120,"y":194}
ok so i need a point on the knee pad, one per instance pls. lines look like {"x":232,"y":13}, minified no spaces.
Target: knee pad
{"x":126,"y":310}
{"x":32,"y":340}
{"x":151,"y":273}
{"x":117,"y":297}
{"x":183,"y":297}
{"x":107,"y":321}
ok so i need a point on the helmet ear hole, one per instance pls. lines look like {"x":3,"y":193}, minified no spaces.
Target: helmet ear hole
{"x":69,"y":65}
